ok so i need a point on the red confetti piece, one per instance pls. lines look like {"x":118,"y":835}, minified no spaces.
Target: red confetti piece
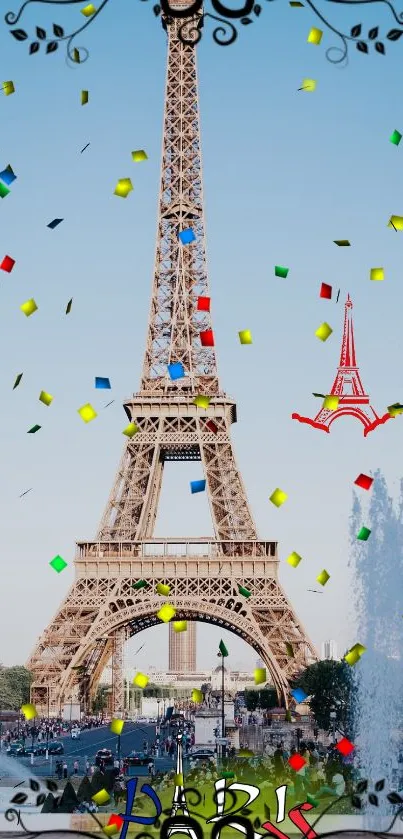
{"x":117,"y":820}
{"x":364,"y":481}
{"x":203,"y":304}
{"x":325,"y":291}
{"x":207,"y":338}
{"x":211,"y":426}
{"x":345,"y":747}
{"x":296,"y":762}
{"x":7,"y":264}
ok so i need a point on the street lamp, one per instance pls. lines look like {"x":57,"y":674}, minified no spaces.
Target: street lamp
{"x":222,"y":654}
{"x":333,"y":716}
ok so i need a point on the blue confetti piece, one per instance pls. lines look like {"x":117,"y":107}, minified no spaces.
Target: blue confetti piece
{"x":197,"y":486}
{"x":299,"y":694}
{"x":7,"y":175}
{"x":176,"y":371}
{"x":102,"y":383}
{"x":187,"y":236}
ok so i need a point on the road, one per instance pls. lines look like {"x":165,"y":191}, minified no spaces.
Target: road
{"x":91,"y":740}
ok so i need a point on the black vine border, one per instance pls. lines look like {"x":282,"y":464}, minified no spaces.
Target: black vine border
{"x":225,"y":34}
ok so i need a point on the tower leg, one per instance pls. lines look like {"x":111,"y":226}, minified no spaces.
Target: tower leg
{"x":118,"y":697}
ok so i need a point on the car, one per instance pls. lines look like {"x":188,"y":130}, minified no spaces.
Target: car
{"x":138,"y":759}
{"x":104,"y":756}
{"x":142,"y":720}
{"x":75,"y":733}
{"x":15,"y":750}
{"x":202,"y":755}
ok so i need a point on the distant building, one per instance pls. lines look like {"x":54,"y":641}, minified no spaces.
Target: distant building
{"x":329,"y":651}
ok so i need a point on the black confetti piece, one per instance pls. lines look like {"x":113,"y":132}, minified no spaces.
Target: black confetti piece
{"x":19,"y":34}
{"x":35,"y":786}
{"x":58,"y":31}
{"x":395,"y":34}
{"x":380,"y":48}
{"x":257,"y":823}
{"x":267,"y":811}
{"x":20,"y":798}
{"x":362,"y":786}
{"x":380,"y":785}
{"x":356,"y":31}
{"x":246,"y":811}
{"x":356,"y":802}
{"x":361,"y":46}
{"x":373,"y":33}
{"x":394,"y":798}
{"x":40,"y":33}
{"x":52,"y":46}
{"x":373,"y":799}
{"x":34,"y":47}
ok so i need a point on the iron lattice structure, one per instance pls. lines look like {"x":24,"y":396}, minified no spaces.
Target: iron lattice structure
{"x":102,"y":607}
{"x":353,"y":401}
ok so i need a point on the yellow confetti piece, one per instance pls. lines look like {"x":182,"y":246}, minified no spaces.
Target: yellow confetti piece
{"x":46,"y":398}
{"x":354,"y":654}
{"x":396,"y":222}
{"x":278,"y":497}
{"x":76,"y":55}
{"x":130,"y":430}
{"x":202,"y":401}
{"x":29,"y":307}
{"x":260,"y":676}
{"x":87,"y":412}
{"x":323,"y":577}
{"x":8,"y":88}
{"x":123,"y":187}
{"x":89,"y":10}
{"x":111,"y":829}
{"x":101,"y":797}
{"x":294,"y":559}
{"x":141,"y":680}
{"x":315,"y":36}
{"x":377,"y":274}
{"x":308,"y":84}
{"x":116,"y":726}
{"x":29,"y":711}
{"x":323,"y":331}
{"x":179,"y":779}
{"x":395,"y":409}
{"x":161,"y":588}
{"x":166,"y":613}
{"x":245,"y":753}
{"x":331,"y":403}
{"x":197,"y":695}
{"x":245,"y":336}
{"x":139,"y":155}
{"x":180,"y":626}
{"x":84,"y":97}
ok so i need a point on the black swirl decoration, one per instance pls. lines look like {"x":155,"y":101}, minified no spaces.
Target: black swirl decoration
{"x":194,"y":15}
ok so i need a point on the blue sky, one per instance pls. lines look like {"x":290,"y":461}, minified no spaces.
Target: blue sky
{"x":285,"y":173}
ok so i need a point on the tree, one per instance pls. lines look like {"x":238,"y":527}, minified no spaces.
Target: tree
{"x":100,"y":699}
{"x":330,"y":686}
{"x":267,"y":698}
{"x":251,"y":699}
{"x":14,"y":687}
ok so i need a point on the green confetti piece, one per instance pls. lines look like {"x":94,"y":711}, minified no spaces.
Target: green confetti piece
{"x":34,"y":429}
{"x":280,"y":271}
{"x":244,"y":591}
{"x":395,"y":137}
{"x":58,"y":563}
{"x":289,"y":648}
{"x":17,"y":381}
{"x":3,"y":190}
{"x":140,"y":584}
{"x":223,"y":649}
{"x":364,"y":534}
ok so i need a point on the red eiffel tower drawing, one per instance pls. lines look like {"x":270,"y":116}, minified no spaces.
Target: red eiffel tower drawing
{"x":353,"y":401}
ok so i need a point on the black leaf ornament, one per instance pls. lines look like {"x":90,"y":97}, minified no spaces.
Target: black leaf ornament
{"x":257,"y":9}
{"x":373,"y":33}
{"x":356,"y":802}
{"x":58,"y":31}
{"x":361,"y":787}
{"x":40,"y":33}
{"x":52,"y":46}
{"x":373,"y":799}
{"x":34,"y":47}
{"x":356,"y":31}
{"x":380,"y":48}
{"x":380,"y":785}
{"x":19,"y":34}
{"x":395,"y":34}
{"x":361,"y":46}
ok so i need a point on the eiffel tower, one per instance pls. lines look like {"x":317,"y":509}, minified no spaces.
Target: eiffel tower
{"x":102,"y":609}
{"x":179,"y":797}
{"x":353,"y":400}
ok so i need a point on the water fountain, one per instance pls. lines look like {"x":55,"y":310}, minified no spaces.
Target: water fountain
{"x":378,"y":596}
